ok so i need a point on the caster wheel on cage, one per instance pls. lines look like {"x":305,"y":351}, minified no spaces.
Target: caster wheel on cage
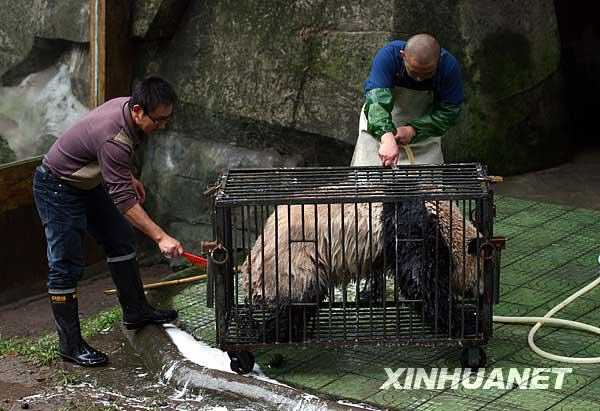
{"x":241,"y":362}
{"x":473,"y":357}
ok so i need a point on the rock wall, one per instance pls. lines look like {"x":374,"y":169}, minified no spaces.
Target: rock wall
{"x":515,"y":117}
{"x":44,"y":64}
{"x":279,"y":83}
{"x":274,"y":83}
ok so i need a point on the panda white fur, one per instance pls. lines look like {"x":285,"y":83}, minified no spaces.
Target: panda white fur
{"x":354,"y":242}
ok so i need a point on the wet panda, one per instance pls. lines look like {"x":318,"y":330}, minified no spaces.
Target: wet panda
{"x":419,"y":243}
{"x":432,"y":251}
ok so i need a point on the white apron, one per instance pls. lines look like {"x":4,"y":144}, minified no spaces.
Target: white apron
{"x":408,"y":105}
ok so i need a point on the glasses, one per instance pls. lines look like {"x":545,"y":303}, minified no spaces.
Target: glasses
{"x":160,"y":120}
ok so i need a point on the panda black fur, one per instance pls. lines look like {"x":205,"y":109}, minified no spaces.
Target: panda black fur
{"x":368,"y":244}
{"x":419,"y":255}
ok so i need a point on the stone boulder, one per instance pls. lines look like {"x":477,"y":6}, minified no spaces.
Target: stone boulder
{"x":44,"y":71}
{"x":300,"y":65}
{"x":515,"y":116}
{"x":286,"y":77}
{"x":157,"y":19}
{"x":22,"y":22}
{"x":37,"y":110}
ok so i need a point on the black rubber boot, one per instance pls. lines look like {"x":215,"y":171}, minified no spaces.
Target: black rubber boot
{"x":71,"y":346}
{"x":130,"y":290}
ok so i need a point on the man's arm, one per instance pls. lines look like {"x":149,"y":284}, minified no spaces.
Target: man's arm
{"x":449,"y":97}
{"x":436,"y":123}
{"x":114,"y":165}
{"x":379,"y":99}
{"x":379,"y":102}
{"x":378,"y":110}
{"x":140,"y":220}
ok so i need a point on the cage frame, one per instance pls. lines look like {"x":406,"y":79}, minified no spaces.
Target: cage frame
{"x":229,"y":194}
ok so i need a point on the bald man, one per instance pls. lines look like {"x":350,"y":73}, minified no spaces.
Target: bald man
{"x":413,"y":96}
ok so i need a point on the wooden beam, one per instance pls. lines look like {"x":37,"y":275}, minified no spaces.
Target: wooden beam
{"x":120,"y":54}
{"x":111,"y":50}
{"x":97,"y":51}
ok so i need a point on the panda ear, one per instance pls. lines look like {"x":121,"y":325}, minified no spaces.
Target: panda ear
{"x":472,"y":246}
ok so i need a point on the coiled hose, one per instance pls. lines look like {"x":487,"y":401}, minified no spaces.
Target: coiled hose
{"x":547,"y":319}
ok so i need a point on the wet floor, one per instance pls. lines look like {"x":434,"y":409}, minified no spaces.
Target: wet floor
{"x":123,"y":385}
{"x":533,"y":229}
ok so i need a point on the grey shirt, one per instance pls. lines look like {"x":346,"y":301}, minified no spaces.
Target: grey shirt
{"x":99,"y":148}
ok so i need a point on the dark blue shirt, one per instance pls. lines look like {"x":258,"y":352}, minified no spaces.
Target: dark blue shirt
{"x":388,"y":71}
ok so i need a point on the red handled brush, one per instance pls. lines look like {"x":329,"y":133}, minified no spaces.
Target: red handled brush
{"x":195,"y":259}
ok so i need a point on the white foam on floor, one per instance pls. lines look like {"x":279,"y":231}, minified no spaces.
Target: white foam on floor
{"x":197,"y":351}
{"x":202,"y":354}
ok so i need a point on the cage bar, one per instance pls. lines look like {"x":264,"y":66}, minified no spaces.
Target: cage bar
{"x":340,"y":256}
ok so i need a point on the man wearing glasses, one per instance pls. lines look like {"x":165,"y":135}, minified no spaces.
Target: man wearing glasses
{"x":414,"y":94}
{"x":84,"y":184}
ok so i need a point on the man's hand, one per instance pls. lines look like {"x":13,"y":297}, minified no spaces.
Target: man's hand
{"x":140,"y":220}
{"x":139,"y":189}
{"x":388,"y":150}
{"x":170,"y":246}
{"x":405,"y":134}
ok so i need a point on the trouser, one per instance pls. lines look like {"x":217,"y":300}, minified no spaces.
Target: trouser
{"x":67,"y":213}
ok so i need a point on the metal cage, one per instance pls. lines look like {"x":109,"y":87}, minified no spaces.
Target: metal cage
{"x":341,"y":256}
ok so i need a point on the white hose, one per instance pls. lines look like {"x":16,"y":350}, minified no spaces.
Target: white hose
{"x":539,"y":321}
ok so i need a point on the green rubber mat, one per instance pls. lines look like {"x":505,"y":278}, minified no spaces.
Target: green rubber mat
{"x":551,"y":251}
